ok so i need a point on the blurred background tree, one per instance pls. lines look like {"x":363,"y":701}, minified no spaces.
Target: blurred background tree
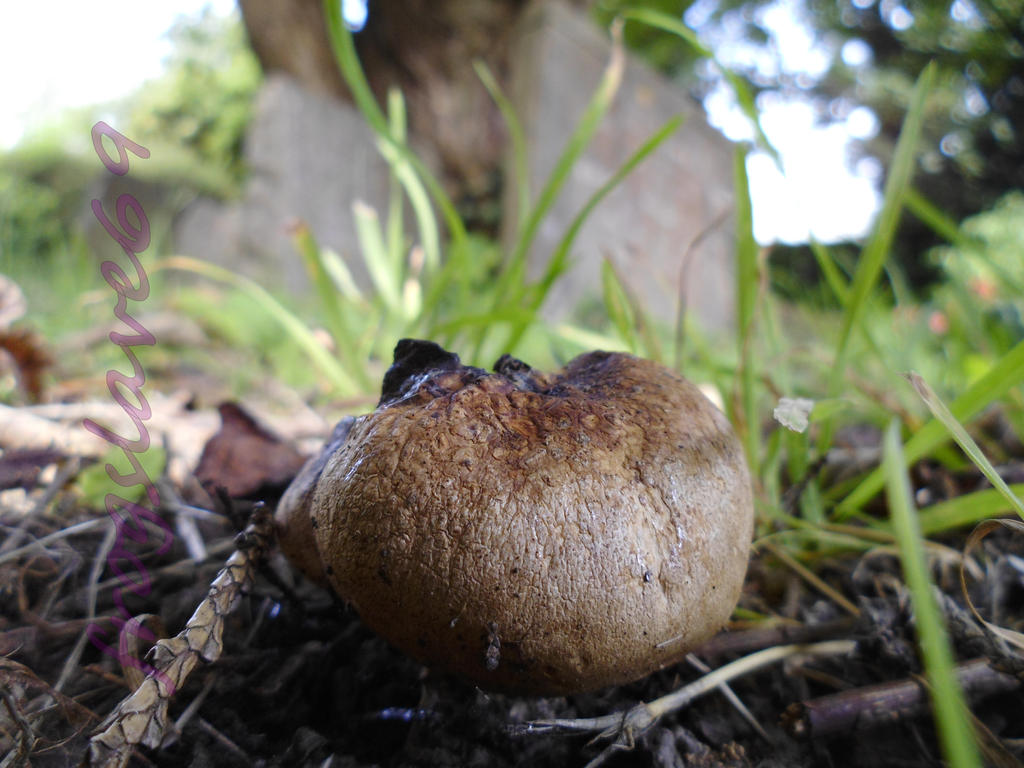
{"x":974,"y":144}
{"x":194,"y":117}
{"x":973,"y":148}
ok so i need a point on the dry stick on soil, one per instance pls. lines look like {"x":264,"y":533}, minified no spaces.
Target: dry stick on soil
{"x":141,"y":718}
{"x":624,"y":727}
{"x":179,"y":568}
{"x":17,"y":678}
{"x":98,"y":564}
{"x":26,"y":736}
{"x":810,"y":577}
{"x":66,"y":470}
{"x":983,"y":529}
{"x":42,"y":543}
{"x":886,"y":703}
{"x":730,"y":694}
{"x":750,"y":640}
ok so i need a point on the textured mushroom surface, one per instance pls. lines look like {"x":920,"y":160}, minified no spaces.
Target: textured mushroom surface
{"x":530,"y":532}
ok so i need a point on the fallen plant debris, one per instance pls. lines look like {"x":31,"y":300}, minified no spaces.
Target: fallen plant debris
{"x":311,"y":682}
{"x":300,"y":681}
{"x":245,"y":459}
{"x":876,"y":705}
{"x":25,"y":348}
{"x":142,"y":717}
{"x":22,"y":469}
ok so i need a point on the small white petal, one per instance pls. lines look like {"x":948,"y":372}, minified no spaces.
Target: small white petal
{"x":792,"y":412}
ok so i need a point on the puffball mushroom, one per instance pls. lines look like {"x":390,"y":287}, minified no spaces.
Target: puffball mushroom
{"x":530,"y":532}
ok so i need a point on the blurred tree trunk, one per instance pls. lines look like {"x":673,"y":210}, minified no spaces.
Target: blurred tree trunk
{"x":424,"y":47}
{"x":290,"y":37}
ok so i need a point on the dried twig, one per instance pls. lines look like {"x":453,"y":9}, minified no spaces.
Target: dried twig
{"x":21,"y":429}
{"x":141,"y":718}
{"x":731,"y":696}
{"x":26,"y":738}
{"x":66,"y":469}
{"x":750,"y":640}
{"x":207,"y":727}
{"x":41,"y":543}
{"x":98,"y":564}
{"x":811,"y":578}
{"x":875,"y":705}
{"x":14,"y":674}
{"x":622,"y":728}
{"x":184,"y":523}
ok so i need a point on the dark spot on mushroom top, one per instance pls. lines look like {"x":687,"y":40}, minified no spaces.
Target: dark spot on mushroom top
{"x":519,"y":373}
{"x":413,"y":358}
{"x":510,"y":366}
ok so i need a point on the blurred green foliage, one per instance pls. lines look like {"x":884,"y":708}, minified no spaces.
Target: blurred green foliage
{"x":978,"y":48}
{"x":42,"y":189}
{"x":973,"y":130}
{"x":661,"y":49}
{"x":192,"y":118}
{"x":973,"y":147}
{"x":987,"y":256}
{"x":31,"y":220}
{"x":982,"y":297}
{"x":194,"y":115}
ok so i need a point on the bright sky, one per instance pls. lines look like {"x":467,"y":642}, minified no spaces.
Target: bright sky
{"x":68,"y":53}
{"x":817,"y":192}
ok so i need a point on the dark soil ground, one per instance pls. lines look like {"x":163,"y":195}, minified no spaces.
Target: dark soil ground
{"x":302,"y":683}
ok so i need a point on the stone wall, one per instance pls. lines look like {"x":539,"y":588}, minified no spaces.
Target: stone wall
{"x":311,"y":157}
{"x":647,"y":225}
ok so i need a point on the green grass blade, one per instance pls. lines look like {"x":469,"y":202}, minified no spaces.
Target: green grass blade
{"x":375,"y":255}
{"x":340,"y":275}
{"x":969,"y":509}
{"x":964,"y":440}
{"x":559,"y":261}
{"x":833,"y":275}
{"x":617,"y":305}
{"x":514,"y":276}
{"x":509,"y":313}
{"x":352,"y":71}
{"x":1007,"y":373}
{"x":516,"y":135}
{"x":747,"y":286}
{"x":330,"y":301}
{"x":396,"y":209}
{"x":348,"y":62}
{"x":419,"y":201}
{"x":303,"y":336}
{"x":454,"y":287}
{"x":586,"y":339}
{"x":875,"y":253}
{"x":744,"y":96}
{"x":930,"y":214}
{"x":951,"y":714}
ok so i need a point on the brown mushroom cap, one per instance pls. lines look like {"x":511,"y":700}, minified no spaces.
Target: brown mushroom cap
{"x":536,"y":533}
